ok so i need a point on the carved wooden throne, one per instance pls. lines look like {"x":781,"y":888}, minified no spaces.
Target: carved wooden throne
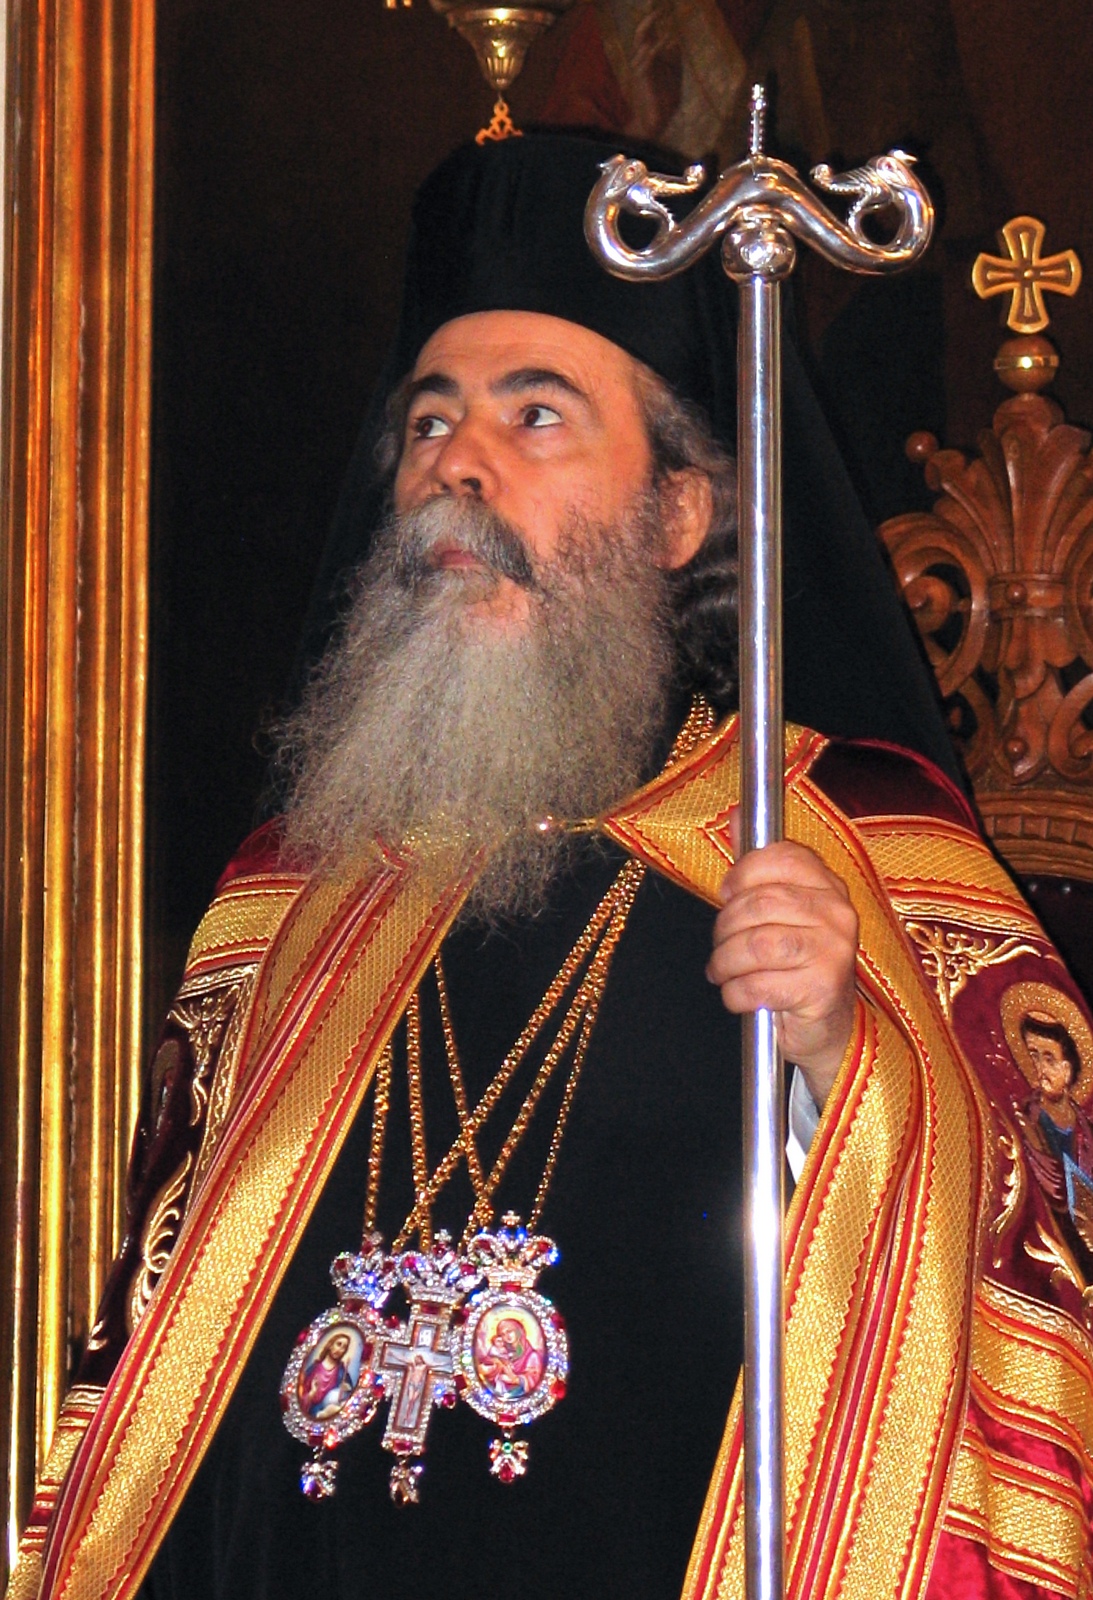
{"x":999,"y":578}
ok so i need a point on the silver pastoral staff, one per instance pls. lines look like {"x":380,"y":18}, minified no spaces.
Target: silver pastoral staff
{"x":756,"y":207}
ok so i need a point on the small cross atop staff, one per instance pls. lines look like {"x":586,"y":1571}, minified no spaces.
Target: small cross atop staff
{"x":1025,"y":274}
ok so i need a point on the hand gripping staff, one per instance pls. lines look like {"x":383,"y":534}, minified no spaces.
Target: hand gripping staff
{"x":757,"y":207}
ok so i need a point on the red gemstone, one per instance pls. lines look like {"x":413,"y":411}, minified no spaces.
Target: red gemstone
{"x":506,"y":1422}
{"x":430,"y":1308}
{"x":448,"y":1399}
{"x":284,"y":1402}
{"x":460,"y":1382}
{"x":511,"y":1287}
{"x":353,"y":1303}
{"x":391,"y":1322}
{"x":459,"y":1316}
{"x":506,"y":1472}
{"x":558,"y":1389}
{"x":558,"y":1321}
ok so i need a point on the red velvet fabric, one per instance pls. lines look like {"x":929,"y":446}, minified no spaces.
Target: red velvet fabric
{"x":257,"y":853}
{"x":869,"y":778}
{"x":961,"y":1572}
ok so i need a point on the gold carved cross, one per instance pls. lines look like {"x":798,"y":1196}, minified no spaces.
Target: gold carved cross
{"x":1026,"y":274}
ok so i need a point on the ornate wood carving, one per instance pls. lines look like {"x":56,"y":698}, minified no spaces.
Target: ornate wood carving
{"x":999,"y":578}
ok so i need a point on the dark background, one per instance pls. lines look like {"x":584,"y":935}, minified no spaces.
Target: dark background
{"x":291,"y":136}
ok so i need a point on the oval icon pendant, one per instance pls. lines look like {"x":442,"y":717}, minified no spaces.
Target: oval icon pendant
{"x":330,"y":1389}
{"x":510,"y":1353}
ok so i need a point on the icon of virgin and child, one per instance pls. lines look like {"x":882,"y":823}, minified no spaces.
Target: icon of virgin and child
{"x":510,"y":1353}
{"x":1053,"y":1046}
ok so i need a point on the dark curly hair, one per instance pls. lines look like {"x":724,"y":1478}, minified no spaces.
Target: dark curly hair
{"x":1048,"y":1028}
{"x":704,"y":592}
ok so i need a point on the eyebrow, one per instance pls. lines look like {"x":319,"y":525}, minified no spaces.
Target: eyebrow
{"x":538,"y":378}
{"x":440,"y":383}
{"x":432,"y":383}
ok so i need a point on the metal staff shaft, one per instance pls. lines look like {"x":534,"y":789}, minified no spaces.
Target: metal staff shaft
{"x":760,"y":511}
{"x":756,"y":207}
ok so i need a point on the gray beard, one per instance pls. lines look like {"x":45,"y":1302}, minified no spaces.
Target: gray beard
{"x":420,"y":720}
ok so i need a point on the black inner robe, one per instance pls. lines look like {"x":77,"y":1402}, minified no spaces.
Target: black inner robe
{"x":645,"y":1208}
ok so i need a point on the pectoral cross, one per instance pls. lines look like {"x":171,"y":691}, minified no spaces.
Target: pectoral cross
{"x":1026,"y":274}
{"x":416,"y":1366}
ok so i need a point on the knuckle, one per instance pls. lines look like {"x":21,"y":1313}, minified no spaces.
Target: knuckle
{"x":776,"y":947}
{"x":765,"y":904}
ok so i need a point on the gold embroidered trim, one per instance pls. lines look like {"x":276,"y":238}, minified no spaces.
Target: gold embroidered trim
{"x":888,"y":1468}
{"x":222,"y":1088}
{"x":1032,"y":1367}
{"x":203,"y":1019}
{"x":950,"y":956}
{"x":255,"y":1196}
{"x":1032,"y":1521}
{"x":157,"y":1240}
{"x":941,"y":860}
{"x":899,"y":1446}
{"x":77,"y":1409}
{"x":25,"y":1582}
{"x":1055,"y":1253}
{"x":1013,"y":1188}
{"x":960,"y":909}
{"x":243,"y":918}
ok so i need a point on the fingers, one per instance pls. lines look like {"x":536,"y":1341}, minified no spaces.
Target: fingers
{"x":785,"y":862}
{"x":786,"y":939}
{"x":804,"y":970}
{"x":779,"y":906}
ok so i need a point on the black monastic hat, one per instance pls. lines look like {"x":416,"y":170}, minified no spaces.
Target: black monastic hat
{"x":499,"y":227}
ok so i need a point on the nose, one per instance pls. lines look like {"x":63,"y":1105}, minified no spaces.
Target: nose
{"x":466,"y":464}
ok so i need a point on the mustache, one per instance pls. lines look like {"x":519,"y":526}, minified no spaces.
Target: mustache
{"x":489,"y":538}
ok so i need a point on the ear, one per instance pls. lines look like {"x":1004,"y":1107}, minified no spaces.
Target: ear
{"x":686,"y":508}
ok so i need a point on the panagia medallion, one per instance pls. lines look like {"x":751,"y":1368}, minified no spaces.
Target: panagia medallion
{"x":509,"y":1345}
{"x":330,"y":1389}
{"x":504,"y":1351}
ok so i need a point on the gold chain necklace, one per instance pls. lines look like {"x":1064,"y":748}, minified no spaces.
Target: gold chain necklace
{"x":596,"y":945}
{"x":503,"y":1348}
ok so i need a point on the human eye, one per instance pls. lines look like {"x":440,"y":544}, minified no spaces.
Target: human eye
{"x":540,"y":416}
{"x":429,"y":426}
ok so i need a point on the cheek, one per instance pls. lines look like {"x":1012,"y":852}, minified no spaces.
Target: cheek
{"x":402,"y":489}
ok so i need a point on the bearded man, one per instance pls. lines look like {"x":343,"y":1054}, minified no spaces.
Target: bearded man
{"x":452,"y":1036}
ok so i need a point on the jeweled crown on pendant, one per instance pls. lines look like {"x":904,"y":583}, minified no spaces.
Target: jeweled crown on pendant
{"x":511,"y":1255}
{"x":440,"y":1276}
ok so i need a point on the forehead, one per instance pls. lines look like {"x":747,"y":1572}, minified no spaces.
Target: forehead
{"x":484,"y":347}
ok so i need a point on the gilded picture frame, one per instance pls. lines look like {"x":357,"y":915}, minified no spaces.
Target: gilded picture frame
{"x":73,"y":671}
